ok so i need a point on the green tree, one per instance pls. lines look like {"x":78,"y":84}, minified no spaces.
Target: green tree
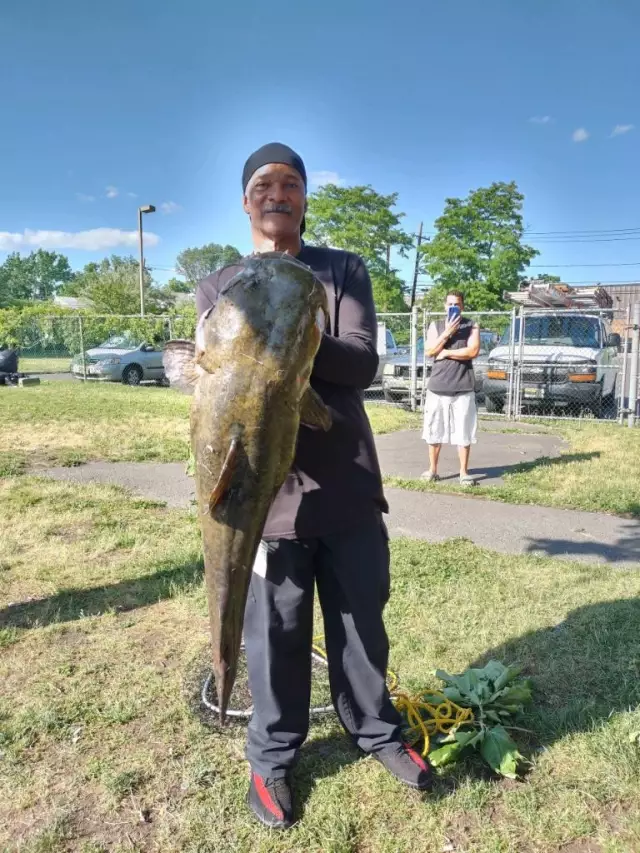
{"x":363,"y":221}
{"x":113,"y":287}
{"x":36,"y":277}
{"x":547,"y":278}
{"x":478,"y":248}
{"x":197,"y":263}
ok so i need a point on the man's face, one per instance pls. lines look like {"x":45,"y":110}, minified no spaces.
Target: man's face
{"x":453,"y":300}
{"x":275,"y":200}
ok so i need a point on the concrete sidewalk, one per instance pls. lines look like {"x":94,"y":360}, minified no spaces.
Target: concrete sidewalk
{"x":568,"y":534}
{"x":405,"y":454}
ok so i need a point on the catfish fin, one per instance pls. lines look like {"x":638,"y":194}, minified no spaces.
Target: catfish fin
{"x":313,"y":411}
{"x":224,"y":480}
{"x":178,"y":360}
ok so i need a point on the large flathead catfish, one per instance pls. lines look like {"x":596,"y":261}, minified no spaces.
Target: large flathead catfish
{"x":249,"y":373}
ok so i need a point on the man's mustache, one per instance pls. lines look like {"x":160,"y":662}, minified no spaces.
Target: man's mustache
{"x":277,"y":208}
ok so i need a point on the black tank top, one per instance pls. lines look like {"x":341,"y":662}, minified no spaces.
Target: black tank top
{"x":453,"y":377}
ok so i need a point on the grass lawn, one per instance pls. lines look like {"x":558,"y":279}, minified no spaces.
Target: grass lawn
{"x":103,"y":637}
{"x":44,"y":365}
{"x":69,"y":423}
{"x":600,"y":471}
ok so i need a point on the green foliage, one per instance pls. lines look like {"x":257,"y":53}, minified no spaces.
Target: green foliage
{"x":49,"y":330}
{"x":478,"y":248}
{"x":360,"y":220}
{"x":197,"y":263}
{"x":113,"y":287}
{"x":496,"y":695}
{"x":37,"y":276}
{"x":546,"y":277}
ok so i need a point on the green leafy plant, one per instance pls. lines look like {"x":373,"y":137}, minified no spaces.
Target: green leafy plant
{"x":497,"y":697}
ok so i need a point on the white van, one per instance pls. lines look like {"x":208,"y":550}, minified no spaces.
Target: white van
{"x":569,"y":362}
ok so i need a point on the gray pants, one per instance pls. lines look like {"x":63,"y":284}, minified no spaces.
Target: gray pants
{"x":351,"y":569}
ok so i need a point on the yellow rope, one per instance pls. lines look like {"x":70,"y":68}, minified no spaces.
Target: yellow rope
{"x":426,"y":718}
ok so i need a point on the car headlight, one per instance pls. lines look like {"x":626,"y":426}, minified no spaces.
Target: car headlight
{"x":497,"y":370}
{"x":582,"y":373}
{"x":107,"y":361}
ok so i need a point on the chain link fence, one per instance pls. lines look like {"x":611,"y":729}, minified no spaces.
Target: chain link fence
{"x":91,"y":347}
{"x":533,"y":362}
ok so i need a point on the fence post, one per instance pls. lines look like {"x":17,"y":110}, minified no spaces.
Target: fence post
{"x":633,"y":373}
{"x":81,"y":334}
{"x":512,"y":352}
{"x":622,"y":406}
{"x":413,"y":337}
{"x":518,"y":366}
{"x":425,"y":329}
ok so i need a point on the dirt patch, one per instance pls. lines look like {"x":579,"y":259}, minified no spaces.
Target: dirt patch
{"x":199,"y":670}
{"x":583,"y":845}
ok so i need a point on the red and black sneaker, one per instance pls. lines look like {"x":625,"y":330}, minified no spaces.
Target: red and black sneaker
{"x":406,"y":764}
{"x":270,"y":801}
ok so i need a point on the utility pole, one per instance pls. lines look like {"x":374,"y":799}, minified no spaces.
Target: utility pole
{"x":417,"y":268}
{"x":148,"y":208}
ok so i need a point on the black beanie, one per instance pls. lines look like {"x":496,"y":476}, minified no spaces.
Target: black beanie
{"x":274,"y":152}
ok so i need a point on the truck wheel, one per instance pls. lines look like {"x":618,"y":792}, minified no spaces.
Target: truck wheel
{"x":596,"y":406}
{"x":493,"y":405}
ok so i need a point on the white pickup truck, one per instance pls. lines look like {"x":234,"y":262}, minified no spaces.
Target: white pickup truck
{"x":387,"y":349}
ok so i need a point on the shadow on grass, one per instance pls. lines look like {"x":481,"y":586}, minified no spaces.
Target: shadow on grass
{"x":583,"y":669}
{"x":526,"y":467}
{"x":493,"y":472}
{"x":70,"y":604}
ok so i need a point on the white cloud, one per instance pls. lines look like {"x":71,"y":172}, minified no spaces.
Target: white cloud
{"x":540,"y":119}
{"x":85,"y":197}
{"x":580,"y":135}
{"x":170,"y":207}
{"x":132,"y":195}
{"x":319,"y":179}
{"x":112,"y":192}
{"x":619,"y":129}
{"x":90,"y":241}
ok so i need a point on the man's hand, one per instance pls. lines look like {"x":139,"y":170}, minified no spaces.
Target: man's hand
{"x":442,"y":355}
{"x":452,"y":327}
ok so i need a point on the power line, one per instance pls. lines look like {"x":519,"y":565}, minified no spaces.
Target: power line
{"x":546,"y":242}
{"x":557,"y":266}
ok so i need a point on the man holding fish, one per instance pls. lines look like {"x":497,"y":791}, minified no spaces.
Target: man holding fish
{"x":319,"y":519}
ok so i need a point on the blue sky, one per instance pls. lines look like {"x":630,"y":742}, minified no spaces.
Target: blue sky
{"x":110,"y":105}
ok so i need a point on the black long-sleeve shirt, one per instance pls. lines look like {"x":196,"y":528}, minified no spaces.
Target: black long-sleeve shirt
{"x":335,"y":480}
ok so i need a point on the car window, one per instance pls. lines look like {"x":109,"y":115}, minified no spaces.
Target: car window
{"x":390,"y":341}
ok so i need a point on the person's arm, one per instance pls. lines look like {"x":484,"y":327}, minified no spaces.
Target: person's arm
{"x":466,"y":353}
{"x":352,"y":359}
{"x":435,"y":342}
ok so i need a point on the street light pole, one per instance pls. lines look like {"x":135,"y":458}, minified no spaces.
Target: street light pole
{"x":148,"y":208}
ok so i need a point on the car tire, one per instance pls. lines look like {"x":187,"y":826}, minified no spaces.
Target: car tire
{"x":132,"y":375}
{"x":494,"y":406}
